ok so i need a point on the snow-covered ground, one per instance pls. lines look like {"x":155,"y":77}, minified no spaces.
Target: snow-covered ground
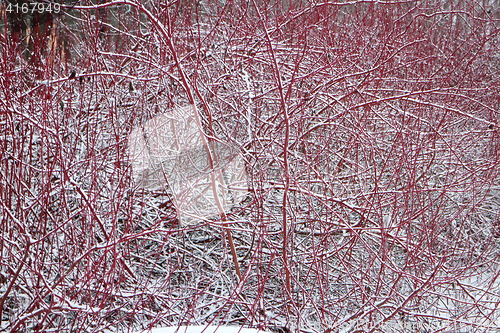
{"x":203,"y":329}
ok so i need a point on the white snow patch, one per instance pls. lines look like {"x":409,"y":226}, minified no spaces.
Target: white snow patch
{"x":172,"y":151}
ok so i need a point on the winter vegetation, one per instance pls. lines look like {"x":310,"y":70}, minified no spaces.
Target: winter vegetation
{"x":302,"y":165}
{"x":205,"y":329}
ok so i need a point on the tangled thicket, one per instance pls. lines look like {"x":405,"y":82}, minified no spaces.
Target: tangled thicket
{"x":370,"y":134}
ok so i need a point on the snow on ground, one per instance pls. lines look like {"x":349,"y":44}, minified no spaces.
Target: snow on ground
{"x":203,"y":329}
